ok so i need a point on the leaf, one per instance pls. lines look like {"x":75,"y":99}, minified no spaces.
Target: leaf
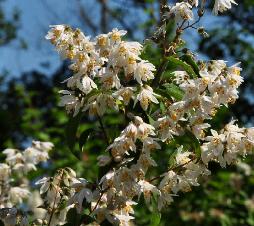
{"x":73,"y":217}
{"x":86,"y":219}
{"x":155,"y":219}
{"x":105,"y":223}
{"x":71,"y":132}
{"x":84,"y":137}
{"x":151,"y":121}
{"x":179,"y":63}
{"x":189,"y":60}
{"x":174,"y":91}
{"x":189,"y":141}
{"x":194,"y":143}
{"x":162,"y":107}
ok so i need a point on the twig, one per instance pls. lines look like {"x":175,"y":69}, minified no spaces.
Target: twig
{"x":191,"y":25}
{"x":104,"y":16}
{"x":53,"y":208}
{"x":174,"y":168}
{"x":103,"y":130}
{"x":83,"y":15}
{"x":97,"y":203}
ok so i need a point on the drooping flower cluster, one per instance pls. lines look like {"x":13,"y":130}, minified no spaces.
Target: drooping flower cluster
{"x":14,"y":187}
{"x":216,"y":86}
{"x":98,"y":65}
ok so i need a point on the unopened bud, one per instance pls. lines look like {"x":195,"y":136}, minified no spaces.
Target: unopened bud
{"x":201,"y":12}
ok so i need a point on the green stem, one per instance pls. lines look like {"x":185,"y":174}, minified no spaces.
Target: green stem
{"x":104,"y":130}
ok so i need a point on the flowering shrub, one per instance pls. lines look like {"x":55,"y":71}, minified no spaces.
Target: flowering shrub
{"x":167,"y":108}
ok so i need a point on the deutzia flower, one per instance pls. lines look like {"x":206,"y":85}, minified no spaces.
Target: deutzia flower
{"x":86,"y":85}
{"x":82,"y":193}
{"x":194,"y":2}
{"x":124,"y":94}
{"x":70,"y":101}
{"x":17,"y":194}
{"x":222,"y":5}
{"x":146,"y":96}
{"x":148,"y":189}
{"x":182,"y":11}
{"x":214,"y":148}
{"x":115,"y":35}
{"x":55,"y":33}
{"x":4,"y":171}
{"x":144,"y":71}
{"x":165,"y":127}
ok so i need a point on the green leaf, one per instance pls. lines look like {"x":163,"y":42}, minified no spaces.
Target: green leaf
{"x":162,"y":107}
{"x":73,"y":217}
{"x":189,"y":60}
{"x":151,"y":121}
{"x":84,"y":137}
{"x":105,"y":223}
{"x":189,"y":141}
{"x":86,"y":219}
{"x":179,"y":63}
{"x":155,"y":219}
{"x":174,"y":91}
{"x":71,"y":132}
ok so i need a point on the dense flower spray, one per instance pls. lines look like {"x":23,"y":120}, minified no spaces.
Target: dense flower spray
{"x":109,"y":74}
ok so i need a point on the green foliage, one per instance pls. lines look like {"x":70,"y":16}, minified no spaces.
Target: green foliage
{"x":179,"y":64}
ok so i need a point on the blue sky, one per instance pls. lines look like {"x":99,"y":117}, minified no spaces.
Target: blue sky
{"x":37,"y":15}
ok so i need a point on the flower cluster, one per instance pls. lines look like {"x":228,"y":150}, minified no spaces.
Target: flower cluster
{"x":183,"y":10}
{"x":14,"y":187}
{"x":98,"y":66}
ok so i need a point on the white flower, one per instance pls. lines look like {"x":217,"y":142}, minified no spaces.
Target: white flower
{"x":180,"y":76}
{"x":110,"y":80}
{"x":115,"y":35}
{"x":222,"y":5}
{"x":194,"y":2}
{"x":214,"y":148}
{"x":124,"y":218}
{"x":86,"y":85}
{"x":145,"y":97}
{"x":182,"y":157}
{"x":182,"y":11}
{"x":70,"y":101}
{"x":198,"y":130}
{"x":10,"y":152}
{"x":144,"y":71}
{"x":4,"y":171}
{"x":164,"y":199}
{"x":165,"y":127}
{"x":143,"y":129}
{"x":124,"y":94}
{"x":17,"y":194}
{"x":56,"y":32}
{"x":34,"y":201}
{"x":45,"y":183}
{"x":43,"y":146}
{"x":82,"y":192}
{"x":121,"y":146}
